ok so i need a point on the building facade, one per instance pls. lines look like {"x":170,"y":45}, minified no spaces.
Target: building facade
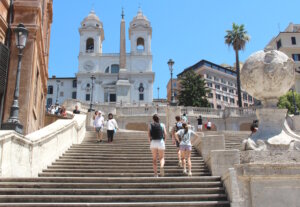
{"x":36,"y":15}
{"x":169,"y":92}
{"x":288,"y":42}
{"x":222,"y":84}
{"x":61,"y":89}
{"x":120,"y":77}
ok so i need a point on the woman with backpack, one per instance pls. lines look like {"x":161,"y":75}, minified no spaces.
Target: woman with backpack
{"x":185,"y":146}
{"x":156,"y":135}
{"x":176,"y":128}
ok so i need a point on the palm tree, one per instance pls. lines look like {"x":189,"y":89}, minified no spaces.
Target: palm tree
{"x":237,"y":38}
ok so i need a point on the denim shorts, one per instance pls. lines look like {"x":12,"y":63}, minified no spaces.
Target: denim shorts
{"x":99,"y":129}
{"x":185,"y":148}
{"x":158,"y":144}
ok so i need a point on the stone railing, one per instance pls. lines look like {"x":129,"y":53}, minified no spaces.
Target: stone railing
{"x":26,"y":156}
{"x":140,"y":111}
{"x":239,"y":112}
{"x":196,"y":111}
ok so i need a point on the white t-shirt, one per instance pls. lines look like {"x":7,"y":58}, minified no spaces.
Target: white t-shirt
{"x":185,"y":137}
{"x":209,"y":124}
{"x":111,"y":124}
{"x":99,"y":121}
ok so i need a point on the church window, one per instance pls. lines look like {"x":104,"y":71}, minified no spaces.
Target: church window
{"x":112,"y":97}
{"x":87,"y":96}
{"x":74,"y":95}
{"x":88,"y":85}
{"x":140,"y":44}
{"x":50,"y":90}
{"x":141,"y":92}
{"x":49,"y":102}
{"x":90,"y":45}
{"x":115,"y":68}
{"x":107,"y":69}
{"x":74,"y":83}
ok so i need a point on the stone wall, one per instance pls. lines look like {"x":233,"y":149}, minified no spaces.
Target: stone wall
{"x":26,"y":156}
{"x":34,"y":70}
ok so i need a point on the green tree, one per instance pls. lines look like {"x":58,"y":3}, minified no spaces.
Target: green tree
{"x":287,"y":102}
{"x":237,"y":38}
{"x":193,"y":90}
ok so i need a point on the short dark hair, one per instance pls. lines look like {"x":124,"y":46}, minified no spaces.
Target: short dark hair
{"x":155,"y":118}
{"x":177,"y":118}
{"x":110,"y":114}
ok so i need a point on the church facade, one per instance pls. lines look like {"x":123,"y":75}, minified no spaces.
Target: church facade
{"x":119,"y":77}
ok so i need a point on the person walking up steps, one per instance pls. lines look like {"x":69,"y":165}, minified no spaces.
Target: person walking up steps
{"x":156,"y":135}
{"x":185,"y":146}
{"x":111,"y":127}
{"x":176,"y":128}
{"x":200,"y":122}
{"x":98,"y":125}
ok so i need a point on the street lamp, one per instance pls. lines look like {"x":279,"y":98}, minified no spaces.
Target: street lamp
{"x":13,"y":123}
{"x":170,"y":64}
{"x":57,"y":91}
{"x":91,"y":104}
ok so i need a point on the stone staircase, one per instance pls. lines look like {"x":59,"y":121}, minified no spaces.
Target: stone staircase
{"x":117,"y":174}
{"x":234,"y":140}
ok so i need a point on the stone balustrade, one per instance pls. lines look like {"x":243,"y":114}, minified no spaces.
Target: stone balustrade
{"x":26,"y":156}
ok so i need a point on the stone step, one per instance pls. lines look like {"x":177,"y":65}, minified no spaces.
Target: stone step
{"x":108,"y":167}
{"x":112,"y":155}
{"x":113,"y":179}
{"x":127,"y":204}
{"x":121,"y":159}
{"x":136,"y":162}
{"x":122,"y":170}
{"x":114,"y":185}
{"x":110,"y":198}
{"x":118,"y":174}
{"x":138,"y":191}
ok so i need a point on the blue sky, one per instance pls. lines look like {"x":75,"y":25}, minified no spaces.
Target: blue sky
{"x":186,"y":31}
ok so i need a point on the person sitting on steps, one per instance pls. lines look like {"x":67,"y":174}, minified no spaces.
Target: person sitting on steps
{"x":156,"y":137}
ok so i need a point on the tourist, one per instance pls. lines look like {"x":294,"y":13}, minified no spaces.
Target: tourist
{"x":184,"y":137}
{"x":156,"y":135}
{"x":184,"y":118}
{"x":176,"y":128}
{"x":95,"y":115}
{"x":52,"y":111}
{"x":63,"y":111}
{"x":98,"y":125}
{"x":76,"y":111}
{"x":208,"y":124}
{"x":254,"y":127}
{"x":199,"y":123}
{"x":112,"y":126}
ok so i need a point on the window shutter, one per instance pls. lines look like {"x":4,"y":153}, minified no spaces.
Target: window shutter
{"x":4,"y":55}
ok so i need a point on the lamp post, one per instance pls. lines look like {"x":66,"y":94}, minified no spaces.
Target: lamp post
{"x":91,"y":104}
{"x":158,"y":93}
{"x":13,"y":123}
{"x":170,"y":64}
{"x":57,"y":91}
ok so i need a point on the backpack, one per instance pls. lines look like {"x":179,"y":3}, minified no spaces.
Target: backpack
{"x":156,"y":131}
{"x":178,"y":126}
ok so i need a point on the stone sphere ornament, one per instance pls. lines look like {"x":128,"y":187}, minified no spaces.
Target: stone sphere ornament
{"x":267,"y":75}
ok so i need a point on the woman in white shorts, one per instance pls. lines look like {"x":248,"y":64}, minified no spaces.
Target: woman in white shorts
{"x":156,"y":136}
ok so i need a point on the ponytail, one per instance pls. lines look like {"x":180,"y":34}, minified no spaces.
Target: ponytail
{"x":185,"y":127}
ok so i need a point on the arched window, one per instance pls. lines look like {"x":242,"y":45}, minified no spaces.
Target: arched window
{"x":141,"y":92}
{"x":115,"y":68}
{"x":140,"y":44}
{"x":90,"y":45}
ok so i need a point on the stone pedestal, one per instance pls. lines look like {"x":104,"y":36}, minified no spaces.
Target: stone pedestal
{"x":123,"y":91}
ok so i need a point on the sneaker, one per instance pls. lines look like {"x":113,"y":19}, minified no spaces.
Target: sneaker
{"x":184,"y":172}
{"x":162,"y":172}
{"x":179,"y":163}
{"x":190,"y":174}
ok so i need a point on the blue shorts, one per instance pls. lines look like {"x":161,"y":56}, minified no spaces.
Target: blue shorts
{"x":185,"y":148}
